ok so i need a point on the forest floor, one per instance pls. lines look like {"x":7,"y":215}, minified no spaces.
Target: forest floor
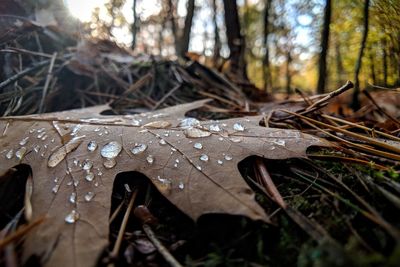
{"x":348,"y":194}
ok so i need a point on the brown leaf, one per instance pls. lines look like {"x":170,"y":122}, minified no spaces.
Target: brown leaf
{"x":76,"y":154}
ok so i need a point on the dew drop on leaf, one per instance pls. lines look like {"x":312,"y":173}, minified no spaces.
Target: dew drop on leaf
{"x":72,"y":198}
{"x":92,"y":145}
{"x":220,"y":162}
{"x":150,"y":159}
{"x":111,"y":150}
{"x":198,"y":145}
{"x":109,"y":163}
{"x":162,"y":142}
{"x":158,"y":124}
{"x":72,"y":217}
{"x":238,"y":127}
{"x":89,"y":176}
{"x":215,"y":128}
{"x":181,"y":185}
{"x":135,"y":123}
{"x":20,"y":153}
{"x":198,"y":167}
{"x":10,"y":154}
{"x":55,"y":188}
{"x":228,"y":157}
{"x":280,"y":142}
{"x":24,"y":141}
{"x":138,"y":148}
{"x":189,"y":122}
{"x":196,"y":133}
{"x":236,"y":139}
{"x":89,"y":196}
{"x":87,"y":165}
{"x":204,"y":157}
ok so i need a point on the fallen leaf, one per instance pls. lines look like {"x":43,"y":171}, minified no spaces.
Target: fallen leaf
{"x":75,"y":155}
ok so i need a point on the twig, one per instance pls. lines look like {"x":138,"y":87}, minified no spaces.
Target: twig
{"x":48,"y":79}
{"x":337,"y":92}
{"x":117,"y":245}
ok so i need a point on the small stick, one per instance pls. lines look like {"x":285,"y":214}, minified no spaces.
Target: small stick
{"x":147,"y":219}
{"x":337,"y":92}
{"x":48,"y":79}
{"x":124,"y":222}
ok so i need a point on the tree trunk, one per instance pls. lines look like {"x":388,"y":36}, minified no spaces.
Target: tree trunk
{"x":171,"y":19}
{"x":217,"y":40}
{"x":266,"y":65}
{"x":183,"y":44}
{"x":356,"y":102}
{"x":339,"y":64}
{"x":384,"y":63}
{"x":324,"y":48}
{"x":288,"y":74}
{"x":236,"y":41}
{"x":372,"y":66}
{"x":135,"y":25}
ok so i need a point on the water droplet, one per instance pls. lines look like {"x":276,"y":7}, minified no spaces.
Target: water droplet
{"x":24,"y":141}
{"x":204,"y":157}
{"x":176,"y":165}
{"x":236,"y":139}
{"x":36,"y":148}
{"x":109,"y":163}
{"x":135,"y":123}
{"x":72,"y":217}
{"x":58,"y":155}
{"x":52,"y":140}
{"x":220,"y":162}
{"x":69,"y":183}
{"x":89,"y":196}
{"x":189,"y":122}
{"x":75,"y":162}
{"x":162,"y":142}
{"x":92,"y":145}
{"x":72,"y":198}
{"x":97,"y":129}
{"x":111,"y":150}
{"x":56,"y":179}
{"x":138,"y":148}
{"x":228,"y":157}
{"x":150,"y":159}
{"x":89,"y":176}
{"x":198,"y":145}
{"x":76,"y":129}
{"x":196,"y":133}
{"x":32,"y":130}
{"x":20,"y":153}
{"x":215,"y":128}
{"x":173,"y":149}
{"x":76,"y":183}
{"x":198,"y":167}
{"x":41,"y":135}
{"x":220,"y":138}
{"x":181,"y":185}
{"x":10,"y":154}
{"x":280,"y":142}
{"x":87,"y":164}
{"x":158,"y":124}
{"x":166,"y":134}
{"x":55,"y":188}
{"x":177,"y":160}
{"x":238,"y":127}
{"x":41,"y":130}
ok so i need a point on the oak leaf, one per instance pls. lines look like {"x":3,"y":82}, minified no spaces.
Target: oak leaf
{"x":75,"y":155}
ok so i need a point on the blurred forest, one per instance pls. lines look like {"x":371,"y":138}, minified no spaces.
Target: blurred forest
{"x":314,"y":45}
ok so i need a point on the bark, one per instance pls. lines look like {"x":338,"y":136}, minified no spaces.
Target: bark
{"x":372,"y":66}
{"x":183,"y":44}
{"x":217,"y":39}
{"x":339,"y":64}
{"x":135,"y":25}
{"x":356,"y":102}
{"x":322,"y":69}
{"x":171,"y":19}
{"x":384,"y":63}
{"x":288,"y":74}
{"x":266,"y":64}
{"x":236,"y":42}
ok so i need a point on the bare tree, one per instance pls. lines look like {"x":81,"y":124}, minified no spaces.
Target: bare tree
{"x":236,"y":41}
{"x":135,"y":25}
{"x":266,"y":64}
{"x":183,"y":43}
{"x":356,"y":101}
{"x":217,"y":39}
{"x":322,"y":69}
